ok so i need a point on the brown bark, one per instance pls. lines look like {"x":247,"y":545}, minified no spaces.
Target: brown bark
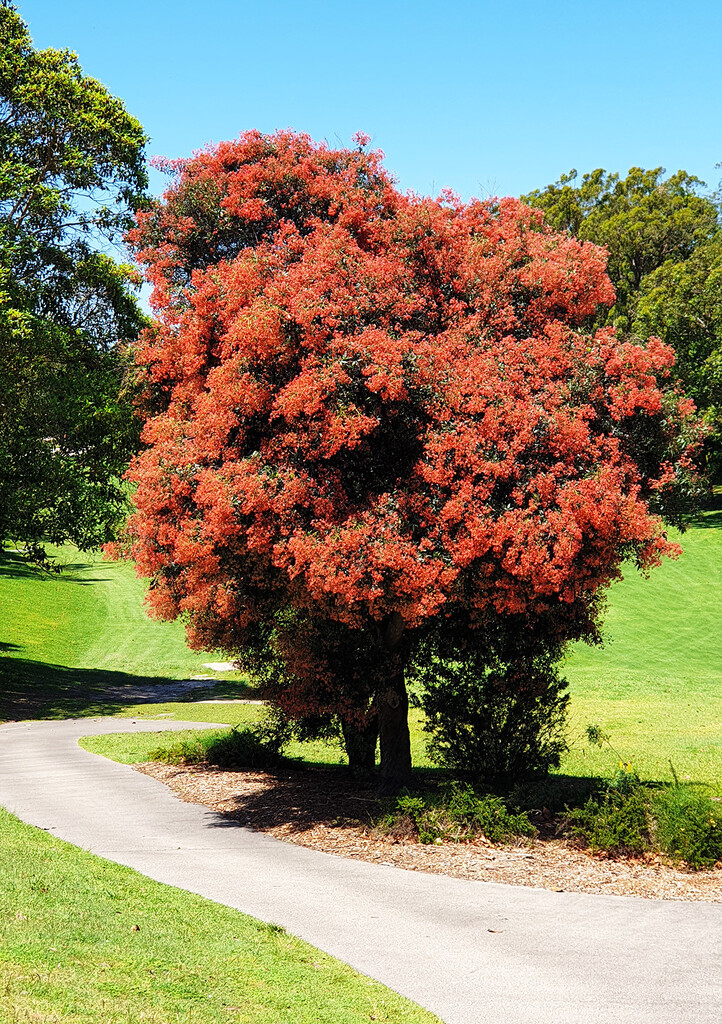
{"x":392,"y":705}
{"x":360,"y":742}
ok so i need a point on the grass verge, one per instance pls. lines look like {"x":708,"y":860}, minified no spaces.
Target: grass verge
{"x":86,"y":940}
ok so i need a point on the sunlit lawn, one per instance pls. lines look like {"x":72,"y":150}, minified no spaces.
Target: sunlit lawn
{"x":88,"y":941}
{"x":66,"y":638}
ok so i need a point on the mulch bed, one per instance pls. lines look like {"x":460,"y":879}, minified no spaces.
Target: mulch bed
{"x":324,"y":809}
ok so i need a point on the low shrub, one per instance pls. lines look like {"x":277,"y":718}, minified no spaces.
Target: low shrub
{"x":455,"y":814}
{"x":495,"y":717}
{"x":688,"y":826}
{"x":183,"y":751}
{"x":256,"y":747}
{"x":630,"y":817}
{"x":617,"y":822}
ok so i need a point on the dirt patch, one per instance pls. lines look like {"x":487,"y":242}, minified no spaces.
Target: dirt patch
{"x":318,"y":808}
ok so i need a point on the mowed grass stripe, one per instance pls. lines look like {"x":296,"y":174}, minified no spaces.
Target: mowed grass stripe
{"x":89,"y":616}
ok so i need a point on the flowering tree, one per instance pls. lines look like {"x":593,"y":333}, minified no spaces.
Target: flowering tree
{"x":368,"y":412}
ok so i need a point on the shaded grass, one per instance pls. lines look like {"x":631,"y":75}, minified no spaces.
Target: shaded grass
{"x":67,"y":638}
{"x":36,"y":689}
{"x":85,"y":940}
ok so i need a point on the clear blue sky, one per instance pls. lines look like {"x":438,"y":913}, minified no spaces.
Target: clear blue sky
{"x":485,"y":97}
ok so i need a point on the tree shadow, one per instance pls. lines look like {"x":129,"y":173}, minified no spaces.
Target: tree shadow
{"x":15,"y":565}
{"x":311,"y":796}
{"x":34,"y":689}
{"x":299,"y":800}
{"x":711,"y":520}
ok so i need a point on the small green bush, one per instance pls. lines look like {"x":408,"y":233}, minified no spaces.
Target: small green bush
{"x":251,"y":748}
{"x":456,"y":814}
{"x":183,"y":751}
{"x":617,"y":822}
{"x":688,"y":826}
{"x":494,"y":720}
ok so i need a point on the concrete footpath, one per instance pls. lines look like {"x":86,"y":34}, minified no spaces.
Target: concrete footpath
{"x":472,"y":952}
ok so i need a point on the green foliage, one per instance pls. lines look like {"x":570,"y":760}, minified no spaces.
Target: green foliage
{"x":688,"y":825}
{"x":495,"y":713}
{"x":616,"y":823}
{"x":257,"y":747}
{"x":455,"y":814}
{"x":681,"y":302}
{"x":71,"y":174}
{"x":629,"y":816}
{"x":643,"y":220}
{"x":617,"y":820}
{"x":665,"y":261}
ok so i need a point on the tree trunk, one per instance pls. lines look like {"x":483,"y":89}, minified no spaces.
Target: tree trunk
{"x":392,"y":705}
{"x":360,"y":742}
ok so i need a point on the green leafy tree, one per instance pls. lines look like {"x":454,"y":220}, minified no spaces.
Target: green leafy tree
{"x":682,"y":304}
{"x":665,"y":254}
{"x":72,"y":172}
{"x":644,"y":221}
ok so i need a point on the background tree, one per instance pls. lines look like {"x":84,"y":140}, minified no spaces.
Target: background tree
{"x":72,"y":174}
{"x":373,"y":413}
{"x":682,"y":304}
{"x":643,"y":220}
{"x":663,"y":239}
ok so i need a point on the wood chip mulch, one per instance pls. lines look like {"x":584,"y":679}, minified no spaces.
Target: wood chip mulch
{"x":319,"y":808}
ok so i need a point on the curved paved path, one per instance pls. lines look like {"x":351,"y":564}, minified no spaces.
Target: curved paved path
{"x":471,"y":952}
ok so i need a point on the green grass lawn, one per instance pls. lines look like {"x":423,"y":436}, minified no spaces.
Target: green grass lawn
{"x":656,"y":685}
{"x":86,"y":940}
{"x":65,"y":638}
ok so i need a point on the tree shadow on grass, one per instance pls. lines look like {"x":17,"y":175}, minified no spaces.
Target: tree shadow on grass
{"x":709,"y":520}
{"x":711,"y":516}
{"x":34,"y":690}
{"x":15,"y":565}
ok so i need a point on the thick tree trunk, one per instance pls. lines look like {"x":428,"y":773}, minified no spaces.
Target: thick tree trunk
{"x":360,"y":742}
{"x":392,"y":705}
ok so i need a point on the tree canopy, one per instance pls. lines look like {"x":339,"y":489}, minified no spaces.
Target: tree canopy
{"x":369,"y":412}
{"x":72,"y":173}
{"x":682,"y":304}
{"x":644,"y":221}
{"x":663,"y":238}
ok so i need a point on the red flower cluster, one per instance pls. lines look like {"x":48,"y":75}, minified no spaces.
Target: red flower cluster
{"x":364,"y":403}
